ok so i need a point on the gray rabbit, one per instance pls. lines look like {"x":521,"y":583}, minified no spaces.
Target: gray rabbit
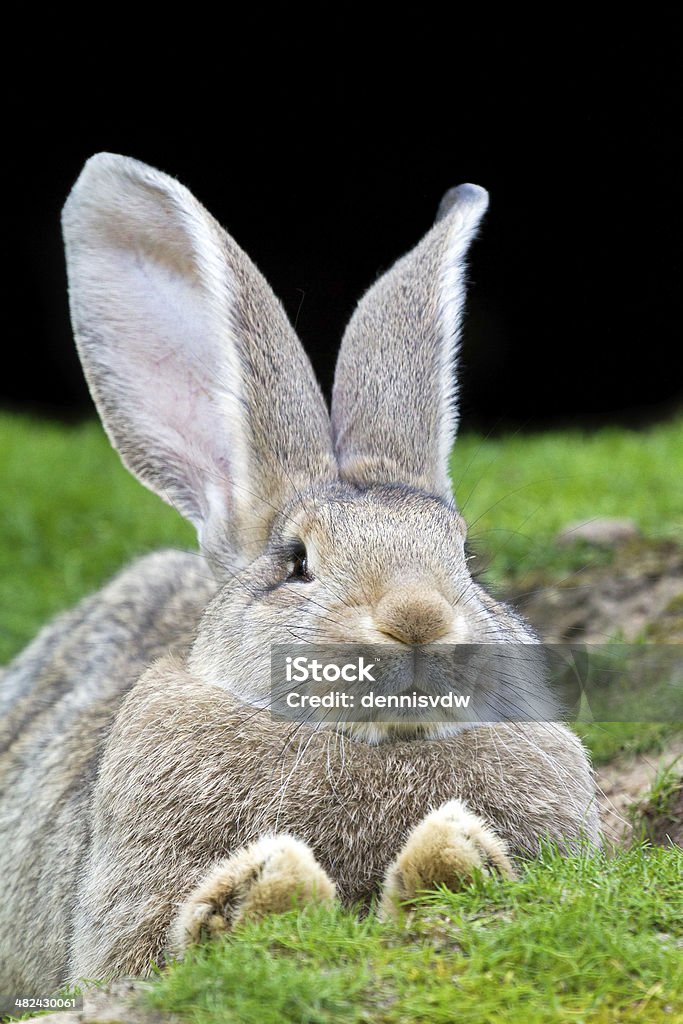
{"x":148,"y":798}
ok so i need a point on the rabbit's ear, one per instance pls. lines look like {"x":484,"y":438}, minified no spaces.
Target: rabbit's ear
{"x":199,"y":378}
{"x":394,"y":415}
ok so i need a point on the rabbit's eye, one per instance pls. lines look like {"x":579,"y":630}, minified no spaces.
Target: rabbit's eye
{"x":298,"y":563}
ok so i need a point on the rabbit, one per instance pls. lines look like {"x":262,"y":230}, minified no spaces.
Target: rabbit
{"x":149,"y":799}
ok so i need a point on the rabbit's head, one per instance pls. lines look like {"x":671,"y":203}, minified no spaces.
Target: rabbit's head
{"x":320,"y":529}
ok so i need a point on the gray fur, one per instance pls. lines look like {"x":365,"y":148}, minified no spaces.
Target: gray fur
{"x":135,"y":747}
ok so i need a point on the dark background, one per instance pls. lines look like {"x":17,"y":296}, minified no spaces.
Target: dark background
{"x":324,"y":149}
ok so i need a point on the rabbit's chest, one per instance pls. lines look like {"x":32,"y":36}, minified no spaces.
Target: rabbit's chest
{"x":355,"y":811}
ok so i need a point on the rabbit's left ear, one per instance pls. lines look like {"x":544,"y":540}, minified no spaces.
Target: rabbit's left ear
{"x":394,"y":416}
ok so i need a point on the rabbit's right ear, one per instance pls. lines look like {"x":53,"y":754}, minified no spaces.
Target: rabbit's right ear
{"x":198,"y":376}
{"x":394,"y":412}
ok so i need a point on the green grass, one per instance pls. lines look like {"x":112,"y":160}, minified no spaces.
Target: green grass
{"x":608,"y":740}
{"x":517,"y":492}
{"x":578,"y":939}
{"x":626,"y":687}
{"x":70,"y":515}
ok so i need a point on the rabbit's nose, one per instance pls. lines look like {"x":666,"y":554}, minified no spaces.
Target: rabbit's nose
{"x":414,"y":615}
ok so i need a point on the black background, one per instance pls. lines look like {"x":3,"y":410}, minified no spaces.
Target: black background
{"x":325,"y":148}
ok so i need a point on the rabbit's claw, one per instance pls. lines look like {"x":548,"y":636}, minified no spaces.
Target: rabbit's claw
{"x":444,"y":848}
{"x":269,"y":876}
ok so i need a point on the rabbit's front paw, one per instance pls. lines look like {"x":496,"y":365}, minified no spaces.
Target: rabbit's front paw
{"x":444,"y":848}
{"x":270,"y":876}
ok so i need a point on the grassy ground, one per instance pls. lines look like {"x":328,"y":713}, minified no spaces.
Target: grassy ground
{"x":516,"y":493}
{"x":575,"y":940}
{"x":70,"y":516}
{"x":608,"y":740}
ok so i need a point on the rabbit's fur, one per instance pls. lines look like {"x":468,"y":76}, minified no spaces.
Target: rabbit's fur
{"x":149,"y":799}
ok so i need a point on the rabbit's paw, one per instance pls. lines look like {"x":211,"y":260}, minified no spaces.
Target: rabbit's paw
{"x":444,"y":848}
{"x":271,"y":875}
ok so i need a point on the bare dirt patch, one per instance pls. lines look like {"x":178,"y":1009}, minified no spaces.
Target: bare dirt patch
{"x":639,"y":594}
{"x":623,"y":789}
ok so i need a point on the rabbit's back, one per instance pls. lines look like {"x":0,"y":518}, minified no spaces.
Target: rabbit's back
{"x":58,"y":700}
